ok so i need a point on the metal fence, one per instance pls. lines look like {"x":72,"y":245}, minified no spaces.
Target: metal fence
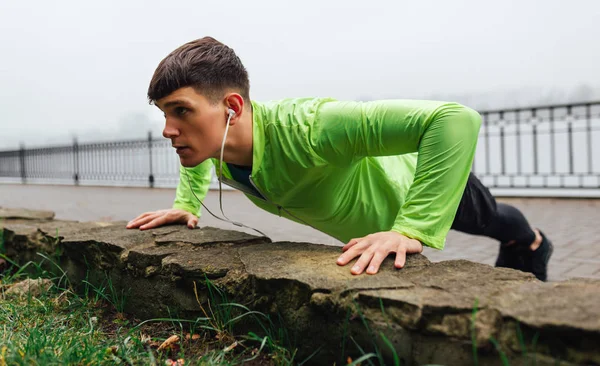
{"x":149,"y":162}
{"x":546,"y":147}
{"x":555,"y":147}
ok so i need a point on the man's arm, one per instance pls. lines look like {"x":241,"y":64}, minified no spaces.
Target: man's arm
{"x":193,"y":181}
{"x":445,"y":137}
{"x":443,"y":134}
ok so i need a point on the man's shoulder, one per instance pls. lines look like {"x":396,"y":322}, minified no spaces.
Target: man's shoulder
{"x":289,"y":110}
{"x":292,"y":103}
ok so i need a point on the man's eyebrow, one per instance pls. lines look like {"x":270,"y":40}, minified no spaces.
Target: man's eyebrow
{"x":176,"y":102}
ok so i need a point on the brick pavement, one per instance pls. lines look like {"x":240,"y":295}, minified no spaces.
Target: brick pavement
{"x":572,"y":224}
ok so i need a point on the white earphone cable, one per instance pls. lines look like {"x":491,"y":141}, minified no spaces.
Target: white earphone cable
{"x":226,"y":219}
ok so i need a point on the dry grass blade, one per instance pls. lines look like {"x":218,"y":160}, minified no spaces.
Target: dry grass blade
{"x":230,"y":347}
{"x":167,"y":344}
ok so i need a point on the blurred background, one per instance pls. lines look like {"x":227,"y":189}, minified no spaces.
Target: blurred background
{"x":79,"y":68}
{"x":74,"y":76}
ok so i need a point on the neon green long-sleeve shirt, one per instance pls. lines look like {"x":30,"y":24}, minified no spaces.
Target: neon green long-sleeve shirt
{"x":350,"y":169}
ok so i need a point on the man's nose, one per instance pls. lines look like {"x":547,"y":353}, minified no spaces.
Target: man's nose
{"x":170,"y":131}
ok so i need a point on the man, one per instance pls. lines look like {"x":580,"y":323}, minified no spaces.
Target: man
{"x":385,"y":177}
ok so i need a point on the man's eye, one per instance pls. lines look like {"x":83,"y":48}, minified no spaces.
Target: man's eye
{"x":180,"y":111}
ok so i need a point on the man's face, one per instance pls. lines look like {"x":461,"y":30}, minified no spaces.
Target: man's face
{"x":193,"y":124}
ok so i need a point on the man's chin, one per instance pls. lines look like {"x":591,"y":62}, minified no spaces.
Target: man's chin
{"x":189,"y":162}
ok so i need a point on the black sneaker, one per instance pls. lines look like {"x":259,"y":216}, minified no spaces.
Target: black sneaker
{"x":537,"y":262}
{"x":511,"y":256}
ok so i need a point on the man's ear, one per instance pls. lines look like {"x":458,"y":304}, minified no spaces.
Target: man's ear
{"x":235,"y":102}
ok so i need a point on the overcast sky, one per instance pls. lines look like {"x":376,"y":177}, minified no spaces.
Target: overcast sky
{"x":77,"y":67}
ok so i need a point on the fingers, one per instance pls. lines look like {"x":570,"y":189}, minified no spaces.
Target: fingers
{"x":414,"y":246}
{"x":372,"y":253}
{"x":192,"y":221}
{"x":142,"y":219}
{"x":150,"y":220}
{"x":371,"y":256}
{"x":362,"y":262}
{"x":400,"y":257}
{"x":131,"y":223}
{"x":376,"y":261}
{"x":351,"y":243}
{"x":158,"y":221}
{"x":374,"y":248}
{"x":354,"y":251}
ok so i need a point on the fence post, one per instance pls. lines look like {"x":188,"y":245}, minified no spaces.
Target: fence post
{"x":75,"y":161}
{"x":151,"y":176}
{"x":22,"y":163}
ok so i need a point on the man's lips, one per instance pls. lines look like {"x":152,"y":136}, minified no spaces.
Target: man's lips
{"x":181,"y":149}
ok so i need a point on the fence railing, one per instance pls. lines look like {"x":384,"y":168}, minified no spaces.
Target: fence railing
{"x":149,"y":162}
{"x":555,"y":146}
{"x":544,"y":147}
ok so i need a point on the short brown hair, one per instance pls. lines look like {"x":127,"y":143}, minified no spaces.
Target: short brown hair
{"x":207,"y":65}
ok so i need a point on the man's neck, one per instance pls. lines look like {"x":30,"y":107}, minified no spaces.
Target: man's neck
{"x":238,"y":146}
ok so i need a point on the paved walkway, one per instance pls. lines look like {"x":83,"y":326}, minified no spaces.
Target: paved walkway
{"x":573,"y":224}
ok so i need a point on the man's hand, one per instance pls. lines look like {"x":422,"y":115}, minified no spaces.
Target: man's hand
{"x":149,"y":220}
{"x":374,"y":248}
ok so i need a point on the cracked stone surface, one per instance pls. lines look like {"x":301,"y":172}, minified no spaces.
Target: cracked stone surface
{"x":430,"y":312}
{"x":315,"y":266}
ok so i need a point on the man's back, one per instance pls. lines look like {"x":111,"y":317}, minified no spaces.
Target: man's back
{"x":303,"y":167}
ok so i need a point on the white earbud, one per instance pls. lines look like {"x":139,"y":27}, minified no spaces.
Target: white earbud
{"x":231,"y":112}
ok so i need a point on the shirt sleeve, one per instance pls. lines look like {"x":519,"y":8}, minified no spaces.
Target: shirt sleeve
{"x":443,"y":134}
{"x":197,"y":184}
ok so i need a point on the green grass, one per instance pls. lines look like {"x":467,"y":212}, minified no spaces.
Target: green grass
{"x":57,"y":327}
{"x":63,"y":327}
{"x":108,"y":292}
